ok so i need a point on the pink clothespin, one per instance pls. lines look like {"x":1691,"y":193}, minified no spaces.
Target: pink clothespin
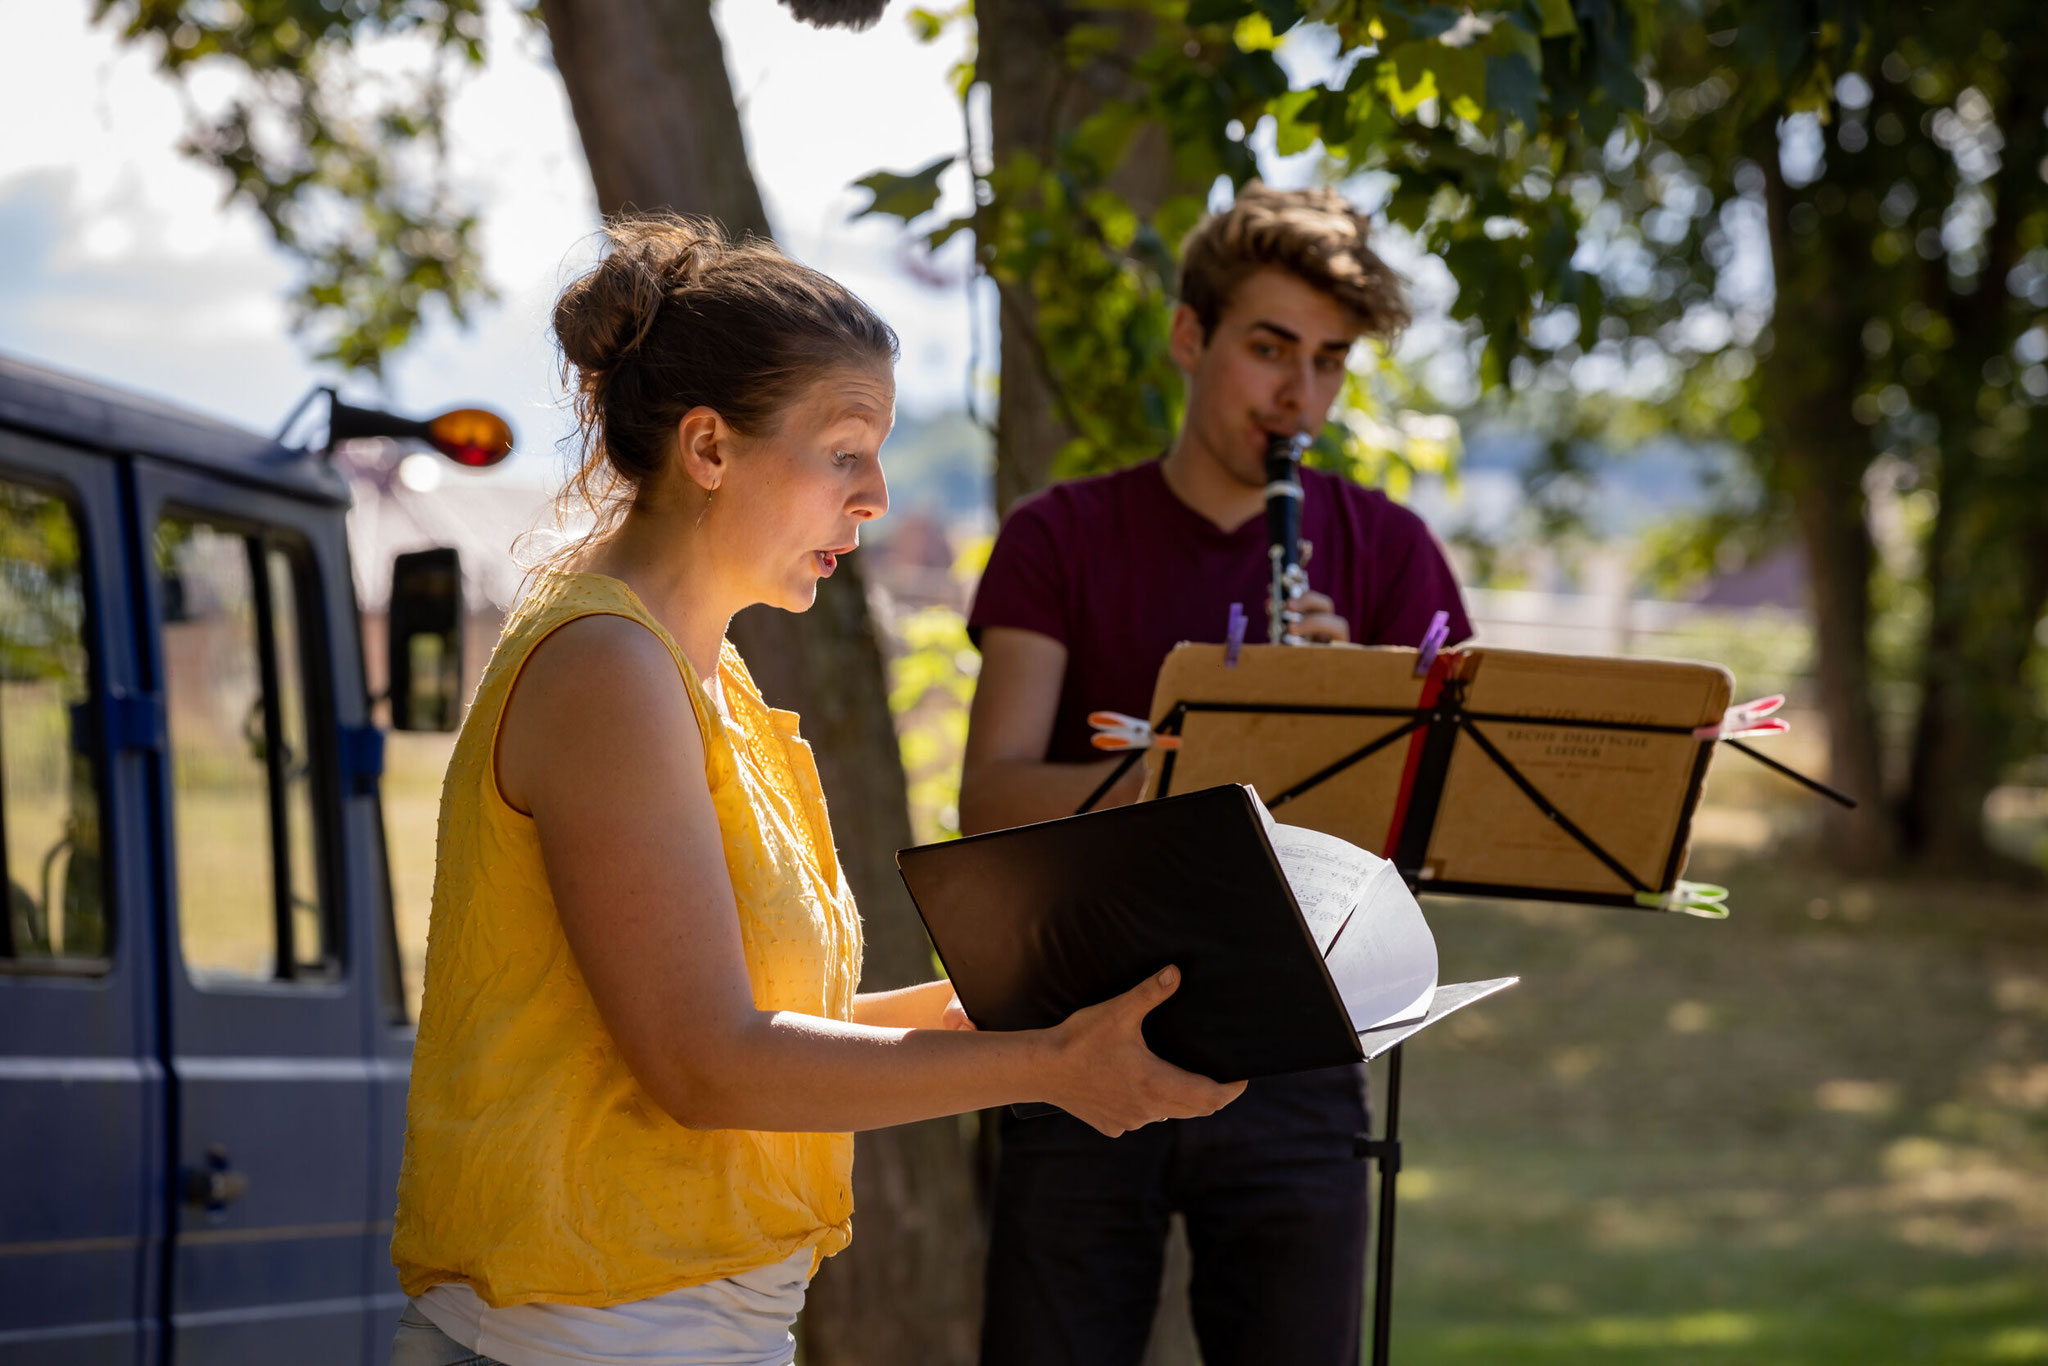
{"x":1747,"y":719}
{"x":1116,"y":731}
{"x":1433,"y":642}
{"x":1233,"y":635}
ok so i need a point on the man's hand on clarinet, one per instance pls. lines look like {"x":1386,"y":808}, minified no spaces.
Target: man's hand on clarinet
{"x":1316,"y":620}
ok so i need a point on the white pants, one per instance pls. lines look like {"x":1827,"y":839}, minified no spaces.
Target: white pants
{"x":742,"y":1320}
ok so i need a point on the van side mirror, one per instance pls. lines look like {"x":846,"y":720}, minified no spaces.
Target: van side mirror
{"x":423,"y":640}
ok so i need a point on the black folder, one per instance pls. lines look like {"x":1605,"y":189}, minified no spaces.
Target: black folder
{"x":1035,"y":922}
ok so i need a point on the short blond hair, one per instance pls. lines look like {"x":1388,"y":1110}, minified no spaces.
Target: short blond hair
{"x":1313,"y":234}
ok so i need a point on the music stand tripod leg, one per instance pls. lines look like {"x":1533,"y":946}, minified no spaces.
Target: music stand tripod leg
{"x":1386,"y":1150}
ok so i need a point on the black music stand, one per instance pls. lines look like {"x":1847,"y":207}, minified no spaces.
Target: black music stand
{"x":1443,"y":722}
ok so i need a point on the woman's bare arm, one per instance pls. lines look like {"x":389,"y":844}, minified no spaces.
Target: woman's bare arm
{"x":635,"y":862}
{"x":919,"y":1007}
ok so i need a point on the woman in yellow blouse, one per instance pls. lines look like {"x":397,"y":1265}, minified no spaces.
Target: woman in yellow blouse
{"x":641,"y":1052}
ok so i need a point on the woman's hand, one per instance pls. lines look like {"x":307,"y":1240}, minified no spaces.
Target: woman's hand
{"x":1107,"y":1077}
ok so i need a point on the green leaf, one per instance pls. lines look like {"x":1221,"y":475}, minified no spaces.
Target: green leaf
{"x":1456,"y":76}
{"x":1254,"y":33}
{"x":1114,"y":217}
{"x":1217,"y":11}
{"x":1437,"y":20}
{"x":1557,"y":17}
{"x":1293,"y":129}
{"x":1177,"y":217}
{"x":1102,"y":137}
{"x":1406,"y":78}
{"x":1257,"y":73}
{"x":904,"y":196}
{"x":1512,"y":87}
{"x":939,"y":236}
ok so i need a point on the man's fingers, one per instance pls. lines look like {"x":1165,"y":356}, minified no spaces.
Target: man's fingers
{"x":1307,"y":603}
{"x":1313,"y":617}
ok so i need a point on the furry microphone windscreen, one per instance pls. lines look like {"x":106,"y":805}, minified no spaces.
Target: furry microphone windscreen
{"x":853,"y":14}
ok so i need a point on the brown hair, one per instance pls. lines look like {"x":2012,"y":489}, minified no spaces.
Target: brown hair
{"x":1314,"y":234}
{"x":674,"y":317}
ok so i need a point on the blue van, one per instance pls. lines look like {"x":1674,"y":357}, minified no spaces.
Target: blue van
{"x":203,"y":1036}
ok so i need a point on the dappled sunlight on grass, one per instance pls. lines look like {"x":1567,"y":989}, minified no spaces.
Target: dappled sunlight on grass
{"x":1611,"y":1332}
{"x":2018,"y":1344}
{"x":1814,"y":1133}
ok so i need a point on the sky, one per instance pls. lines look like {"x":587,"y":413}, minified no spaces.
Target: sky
{"x":119,"y":261}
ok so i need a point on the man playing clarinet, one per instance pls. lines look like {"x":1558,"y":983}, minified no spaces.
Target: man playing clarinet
{"x":1091,"y":583}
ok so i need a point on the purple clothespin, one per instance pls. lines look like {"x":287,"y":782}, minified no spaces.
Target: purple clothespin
{"x":1233,"y":635}
{"x":1432,"y":641}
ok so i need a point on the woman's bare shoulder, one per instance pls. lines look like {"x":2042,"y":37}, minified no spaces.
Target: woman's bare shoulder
{"x":597,"y":690}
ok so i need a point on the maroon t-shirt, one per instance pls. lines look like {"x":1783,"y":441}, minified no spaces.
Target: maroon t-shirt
{"x":1120,"y":571}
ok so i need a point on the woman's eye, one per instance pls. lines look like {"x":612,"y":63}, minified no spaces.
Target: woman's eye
{"x":845,"y":457}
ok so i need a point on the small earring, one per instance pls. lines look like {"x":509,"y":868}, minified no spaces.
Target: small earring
{"x":707,"y":504}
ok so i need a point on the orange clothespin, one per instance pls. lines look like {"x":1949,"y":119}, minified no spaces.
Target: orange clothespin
{"x":1116,"y":731}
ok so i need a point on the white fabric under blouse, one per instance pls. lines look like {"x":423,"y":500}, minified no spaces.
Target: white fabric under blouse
{"x":741,"y":1320}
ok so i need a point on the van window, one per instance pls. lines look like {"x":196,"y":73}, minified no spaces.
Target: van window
{"x":56,"y":914}
{"x":239,"y":671}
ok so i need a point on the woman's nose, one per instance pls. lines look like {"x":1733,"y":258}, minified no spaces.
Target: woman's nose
{"x":871,"y":498}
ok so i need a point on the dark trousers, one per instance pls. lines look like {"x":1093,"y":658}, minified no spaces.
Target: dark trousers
{"x":1276,"y":1210}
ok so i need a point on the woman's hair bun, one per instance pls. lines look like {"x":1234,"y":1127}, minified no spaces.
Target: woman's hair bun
{"x":602,"y":318}
{"x":676,"y":316}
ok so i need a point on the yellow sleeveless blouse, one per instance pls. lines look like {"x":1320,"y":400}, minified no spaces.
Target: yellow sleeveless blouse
{"x":536,"y":1168}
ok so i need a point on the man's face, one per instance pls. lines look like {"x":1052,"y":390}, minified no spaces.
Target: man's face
{"x":1274,"y":363}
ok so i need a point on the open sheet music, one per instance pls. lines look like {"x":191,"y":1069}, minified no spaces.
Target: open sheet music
{"x":1366,"y":924}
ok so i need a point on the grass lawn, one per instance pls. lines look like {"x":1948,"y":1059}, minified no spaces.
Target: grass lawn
{"x":1816,"y":1132}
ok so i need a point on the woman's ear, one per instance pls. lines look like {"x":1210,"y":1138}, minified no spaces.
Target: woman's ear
{"x":703,"y":445}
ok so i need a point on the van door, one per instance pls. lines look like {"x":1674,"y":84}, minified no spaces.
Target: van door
{"x":277,"y":1224}
{"x":81,"y":1091}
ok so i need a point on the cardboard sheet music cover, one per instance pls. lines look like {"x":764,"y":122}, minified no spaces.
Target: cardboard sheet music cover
{"x":1437,"y":770}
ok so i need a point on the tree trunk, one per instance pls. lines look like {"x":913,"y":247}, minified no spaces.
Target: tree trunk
{"x":1987,"y":586}
{"x":1035,"y":98}
{"x":1987,"y":552}
{"x":1017,"y":47}
{"x":653,"y":103}
{"x":1807,"y":392}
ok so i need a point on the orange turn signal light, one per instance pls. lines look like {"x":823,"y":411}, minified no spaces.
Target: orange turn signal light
{"x":471,"y":436}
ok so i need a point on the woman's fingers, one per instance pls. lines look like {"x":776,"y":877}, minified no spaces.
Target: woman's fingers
{"x":1143,"y":998}
{"x":1119,"y":1084}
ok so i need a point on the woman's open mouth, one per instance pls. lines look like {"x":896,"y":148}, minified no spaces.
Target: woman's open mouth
{"x":828,"y":560}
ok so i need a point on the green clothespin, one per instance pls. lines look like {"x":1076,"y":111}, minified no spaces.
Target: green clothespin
{"x":1702,"y":899}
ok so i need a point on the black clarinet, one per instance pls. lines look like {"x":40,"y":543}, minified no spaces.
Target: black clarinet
{"x":1283,"y":534}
